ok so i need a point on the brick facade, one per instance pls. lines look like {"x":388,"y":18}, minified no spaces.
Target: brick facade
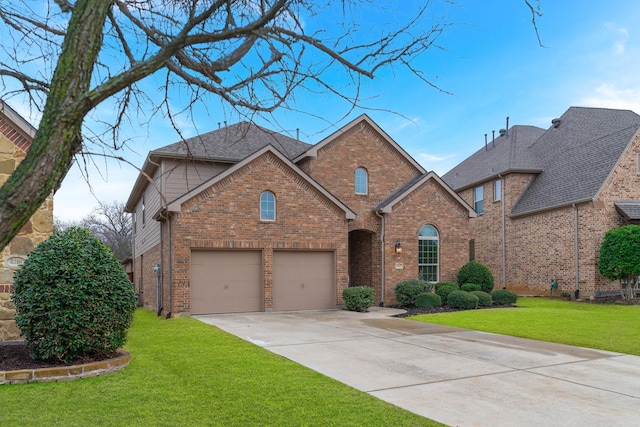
{"x":224,"y":215}
{"x":542,"y":247}
{"x":13,"y":145}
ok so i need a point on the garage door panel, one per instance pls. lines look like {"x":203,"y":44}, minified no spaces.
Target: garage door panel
{"x":226,"y":281}
{"x":303,"y":280}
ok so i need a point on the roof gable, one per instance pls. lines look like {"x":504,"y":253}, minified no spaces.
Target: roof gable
{"x":175,"y":206}
{"x":386,"y":206}
{"x":313,"y":151}
{"x":15,"y":128}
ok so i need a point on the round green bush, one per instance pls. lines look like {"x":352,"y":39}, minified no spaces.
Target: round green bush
{"x":475,"y":272}
{"x":471,"y":287}
{"x":504,"y":297}
{"x":443,"y":291}
{"x":407,"y":291}
{"x":358,"y":298}
{"x":484,"y":299}
{"x":462,"y":299}
{"x":72,"y":298}
{"x":428,"y":300}
{"x":440,"y":284}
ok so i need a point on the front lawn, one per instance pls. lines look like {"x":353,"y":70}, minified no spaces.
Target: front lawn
{"x":186,"y":373}
{"x":602,"y":326}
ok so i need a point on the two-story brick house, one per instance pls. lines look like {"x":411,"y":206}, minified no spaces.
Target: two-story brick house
{"x":246,"y":219}
{"x":545,"y":199}
{"x":16,"y":135}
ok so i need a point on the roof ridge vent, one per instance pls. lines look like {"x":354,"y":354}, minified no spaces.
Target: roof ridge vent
{"x":556,"y":123}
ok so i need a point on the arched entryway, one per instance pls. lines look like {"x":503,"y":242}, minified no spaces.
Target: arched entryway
{"x":361,"y":255}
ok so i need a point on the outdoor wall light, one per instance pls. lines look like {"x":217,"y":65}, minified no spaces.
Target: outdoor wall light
{"x":398,"y":247}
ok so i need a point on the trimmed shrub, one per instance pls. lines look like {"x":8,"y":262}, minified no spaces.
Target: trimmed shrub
{"x":439,"y":284}
{"x":428,"y":300}
{"x":504,"y":297}
{"x":484,"y":299}
{"x":358,"y":298}
{"x":407,"y":291}
{"x":72,"y":298}
{"x":475,"y":272}
{"x":443,"y":291}
{"x":471,"y":287}
{"x":462,"y":299}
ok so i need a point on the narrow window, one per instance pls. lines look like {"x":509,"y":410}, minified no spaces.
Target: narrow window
{"x":361,"y":181}
{"x":497,"y":190}
{"x":428,"y":254}
{"x":267,"y":206}
{"x":638,"y":164}
{"x":478,"y":196}
{"x":143,"y":210}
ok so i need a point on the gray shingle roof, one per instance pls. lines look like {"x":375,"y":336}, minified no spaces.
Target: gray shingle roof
{"x":629,"y":209}
{"x":233,"y":143}
{"x":505,"y":153}
{"x":573,"y":159}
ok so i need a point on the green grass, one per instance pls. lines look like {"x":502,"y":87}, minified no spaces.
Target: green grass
{"x":186,"y":373}
{"x":601,"y":326}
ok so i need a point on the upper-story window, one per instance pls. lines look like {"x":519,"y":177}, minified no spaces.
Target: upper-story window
{"x":144,"y":208}
{"x":267,"y":206}
{"x":478,"y":199}
{"x":361,"y":181}
{"x":497,"y":190}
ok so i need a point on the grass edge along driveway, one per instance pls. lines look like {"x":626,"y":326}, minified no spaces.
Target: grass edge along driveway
{"x":610,"y":327}
{"x":184,"y":372}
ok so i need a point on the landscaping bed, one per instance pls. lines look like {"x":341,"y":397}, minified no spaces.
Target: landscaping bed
{"x":15,"y":356}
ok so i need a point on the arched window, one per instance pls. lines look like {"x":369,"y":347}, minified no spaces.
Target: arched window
{"x":267,"y":206}
{"x":361,"y":181}
{"x":428,"y":254}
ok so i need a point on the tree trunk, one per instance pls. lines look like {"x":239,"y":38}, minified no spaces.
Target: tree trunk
{"x":58,"y":136}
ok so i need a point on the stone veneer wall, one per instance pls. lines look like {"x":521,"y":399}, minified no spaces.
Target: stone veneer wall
{"x":38,"y":229}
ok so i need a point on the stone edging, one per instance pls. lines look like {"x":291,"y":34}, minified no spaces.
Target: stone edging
{"x":66,"y":373}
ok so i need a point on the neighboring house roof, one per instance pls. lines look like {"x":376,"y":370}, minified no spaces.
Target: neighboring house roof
{"x":175,"y":206}
{"x":22,"y":132}
{"x":313,"y":151}
{"x":506,"y":153}
{"x":230,"y":144}
{"x":386,"y":206}
{"x":572,"y":159}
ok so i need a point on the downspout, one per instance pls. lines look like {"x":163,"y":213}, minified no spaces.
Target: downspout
{"x":577,"y":251}
{"x":160,"y":287}
{"x":382,"y":259}
{"x":170,"y":267}
{"x":504,"y":238}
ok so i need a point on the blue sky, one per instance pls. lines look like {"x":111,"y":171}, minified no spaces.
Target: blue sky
{"x":491,"y":65}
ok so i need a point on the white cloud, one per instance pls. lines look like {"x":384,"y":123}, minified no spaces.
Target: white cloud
{"x":608,"y":95}
{"x":436,"y":163}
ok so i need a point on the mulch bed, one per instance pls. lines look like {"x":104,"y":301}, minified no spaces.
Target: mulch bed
{"x":414,"y":311}
{"x":15,"y":356}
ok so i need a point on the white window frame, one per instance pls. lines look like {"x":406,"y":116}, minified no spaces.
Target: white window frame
{"x":497,"y":190}
{"x":430,"y":238}
{"x":478,"y":201}
{"x":361,"y":179}
{"x":267,"y":207}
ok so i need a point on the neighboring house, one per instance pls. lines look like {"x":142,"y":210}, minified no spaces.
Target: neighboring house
{"x":245,"y":219}
{"x":545,"y":199}
{"x":16,"y":135}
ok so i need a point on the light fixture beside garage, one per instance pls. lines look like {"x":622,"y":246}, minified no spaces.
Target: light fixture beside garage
{"x":398,"y":247}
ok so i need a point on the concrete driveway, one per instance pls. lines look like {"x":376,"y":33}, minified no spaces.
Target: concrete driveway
{"x":455,"y":376}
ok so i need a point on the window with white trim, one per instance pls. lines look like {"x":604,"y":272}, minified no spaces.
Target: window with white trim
{"x":497,"y":190}
{"x":478,"y":199}
{"x":267,"y":206}
{"x":361,"y":181}
{"x":428,"y":253}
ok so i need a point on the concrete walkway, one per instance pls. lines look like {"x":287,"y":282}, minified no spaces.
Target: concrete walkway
{"x":455,"y":376}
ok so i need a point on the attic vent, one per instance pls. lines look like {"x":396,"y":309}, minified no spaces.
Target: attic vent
{"x":555,"y":123}
{"x":502,"y":132}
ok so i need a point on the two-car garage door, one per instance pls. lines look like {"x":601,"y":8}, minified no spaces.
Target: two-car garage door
{"x":232,"y":281}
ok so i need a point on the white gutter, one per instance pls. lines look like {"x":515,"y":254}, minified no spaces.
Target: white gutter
{"x":382,"y":259}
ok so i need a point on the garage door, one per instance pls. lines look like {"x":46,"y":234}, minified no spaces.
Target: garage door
{"x":303,"y":280}
{"x":226,"y":281}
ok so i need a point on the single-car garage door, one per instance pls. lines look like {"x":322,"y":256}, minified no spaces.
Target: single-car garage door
{"x":226,"y":281}
{"x":303,"y":280}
